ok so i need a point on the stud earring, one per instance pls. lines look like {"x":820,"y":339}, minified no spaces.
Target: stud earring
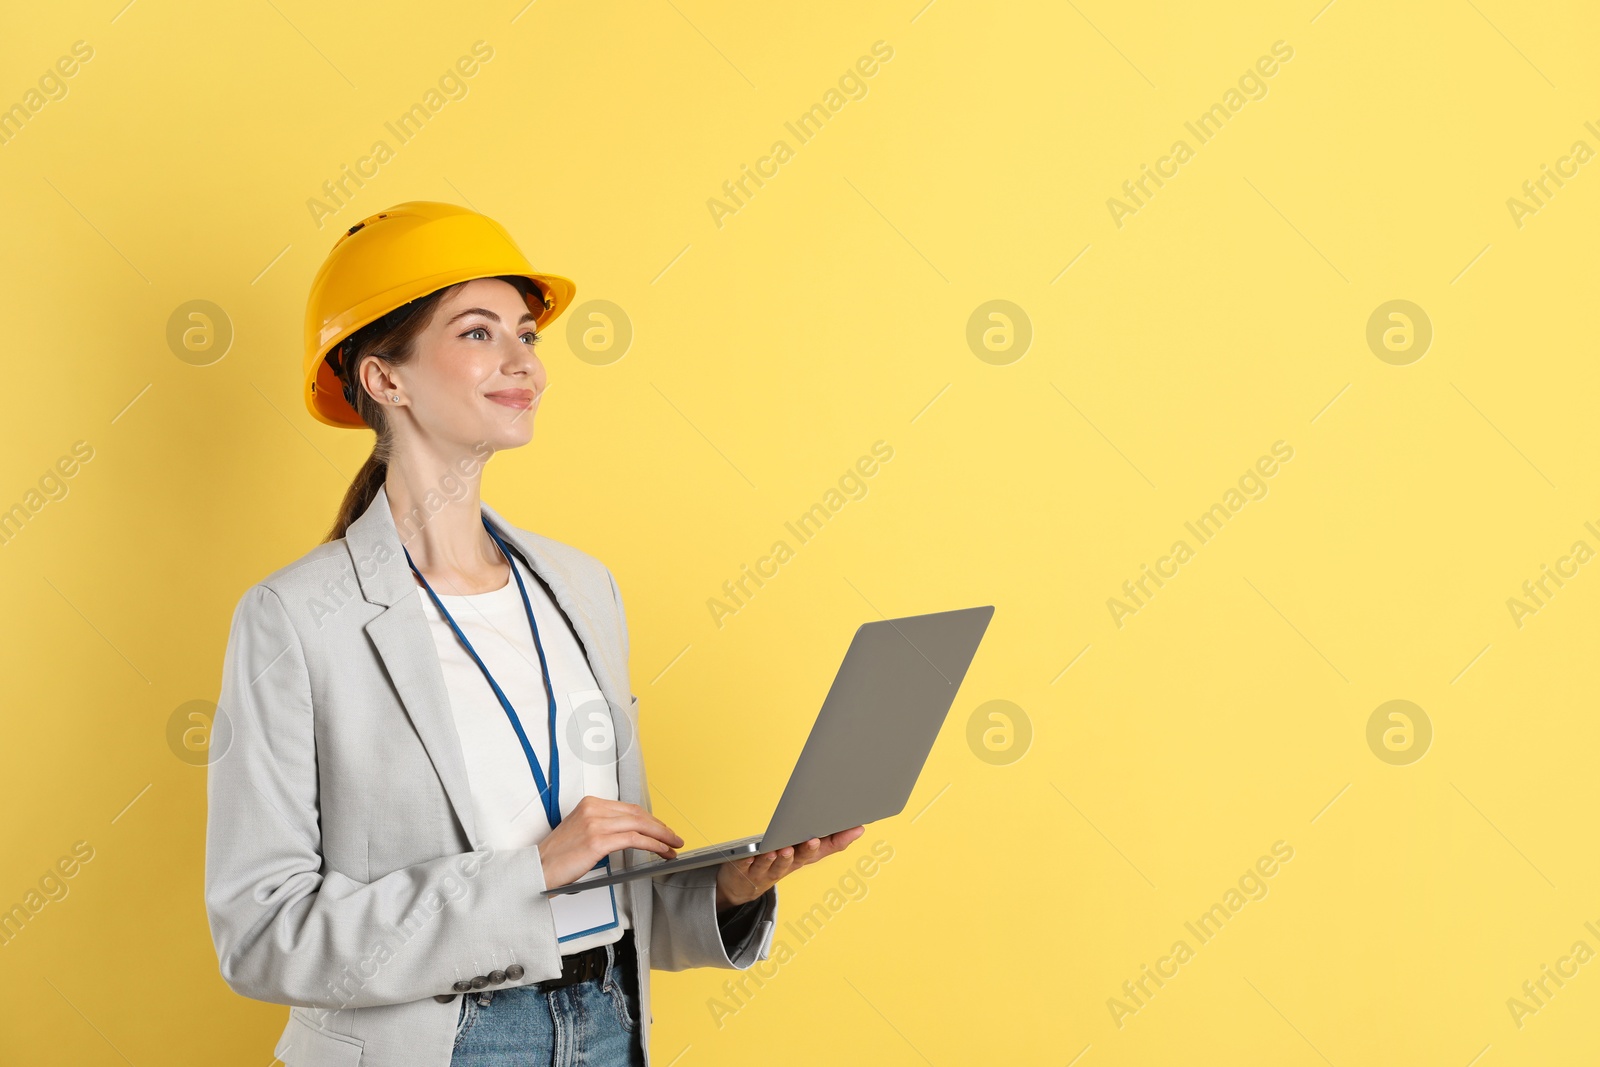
{"x":396,"y":399}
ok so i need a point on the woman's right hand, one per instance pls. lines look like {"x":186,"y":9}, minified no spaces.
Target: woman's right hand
{"x":596,"y":828}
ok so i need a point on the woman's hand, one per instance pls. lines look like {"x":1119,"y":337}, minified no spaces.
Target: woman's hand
{"x":741,"y":881}
{"x":596,"y":828}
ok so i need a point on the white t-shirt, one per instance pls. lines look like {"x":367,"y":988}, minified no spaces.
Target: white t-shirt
{"x":505,"y":800}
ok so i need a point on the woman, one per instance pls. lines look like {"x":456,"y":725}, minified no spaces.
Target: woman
{"x":426,"y":721}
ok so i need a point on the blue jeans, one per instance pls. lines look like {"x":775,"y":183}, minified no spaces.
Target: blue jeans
{"x":586,"y":1024}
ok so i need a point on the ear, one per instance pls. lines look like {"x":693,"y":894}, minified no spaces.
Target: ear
{"x":375,"y":376}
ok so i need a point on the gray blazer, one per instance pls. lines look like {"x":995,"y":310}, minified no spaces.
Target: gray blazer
{"x":344,"y":875}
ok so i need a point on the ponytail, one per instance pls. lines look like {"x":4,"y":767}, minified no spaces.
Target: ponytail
{"x":367,"y":482}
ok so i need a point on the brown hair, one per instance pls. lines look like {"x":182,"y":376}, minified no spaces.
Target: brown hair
{"x":391,"y":338}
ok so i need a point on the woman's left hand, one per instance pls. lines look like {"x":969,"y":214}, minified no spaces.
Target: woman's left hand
{"x":741,"y":881}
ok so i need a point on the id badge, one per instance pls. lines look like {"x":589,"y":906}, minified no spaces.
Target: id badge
{"x":587,"y":911}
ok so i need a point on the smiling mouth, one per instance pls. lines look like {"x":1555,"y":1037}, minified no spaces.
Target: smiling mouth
{"x":513,"y":398}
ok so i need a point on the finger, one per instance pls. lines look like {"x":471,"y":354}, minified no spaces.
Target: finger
{"x":806,"y":852}
{"x":657,"y":827}
{"x":844,"y":837}
{"x":813,"y":853}
{"x":637,"y":818}
{"x":760,"y":868}
{"x":740,"y":876}
{"x":783,"y":862}
{"x":634,"y":839}
{"x":840,"y":841}
{"x":641,"y":821}
{"x":766,"y":868}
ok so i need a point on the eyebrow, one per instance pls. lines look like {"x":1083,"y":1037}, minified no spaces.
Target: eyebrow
{"x":527,"y":316}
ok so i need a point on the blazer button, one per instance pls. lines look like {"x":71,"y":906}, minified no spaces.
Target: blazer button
{"x":444,"y":998}
{"x":462,"y":986}
{"x":496,"y":977}
{"x":480,"y":981}
{"x":515,"y":971}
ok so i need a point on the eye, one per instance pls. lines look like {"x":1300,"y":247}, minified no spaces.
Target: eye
{"x":533,"y":337}
{"x":478,"y":329}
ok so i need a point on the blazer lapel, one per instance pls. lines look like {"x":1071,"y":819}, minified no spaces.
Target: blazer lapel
{"x":404,"y":642}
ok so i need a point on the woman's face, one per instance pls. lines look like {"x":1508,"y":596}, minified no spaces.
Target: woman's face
{"x":473,"y":377}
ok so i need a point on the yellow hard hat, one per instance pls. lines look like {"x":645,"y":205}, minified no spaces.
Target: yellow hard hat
{"x":392,"y":258}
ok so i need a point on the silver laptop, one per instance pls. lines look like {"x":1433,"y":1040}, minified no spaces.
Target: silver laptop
{"x":867,"y":747}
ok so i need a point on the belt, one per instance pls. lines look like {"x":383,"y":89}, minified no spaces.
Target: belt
{"x":575,"y":967}
{"x":590,"y":963}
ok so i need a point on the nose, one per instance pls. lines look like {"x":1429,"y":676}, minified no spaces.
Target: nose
{"x":524,"y":362}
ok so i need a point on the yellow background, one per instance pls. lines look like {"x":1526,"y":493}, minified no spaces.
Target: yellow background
{"x":768,"y":354}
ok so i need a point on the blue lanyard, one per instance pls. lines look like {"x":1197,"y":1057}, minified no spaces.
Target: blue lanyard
{"x":550,"y":795}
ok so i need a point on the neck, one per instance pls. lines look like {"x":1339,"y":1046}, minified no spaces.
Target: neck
{"x":443,"y":531}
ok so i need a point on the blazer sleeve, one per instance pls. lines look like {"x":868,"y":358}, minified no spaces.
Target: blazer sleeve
{"x":288,"y":929}
{"x":685,"y":930}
